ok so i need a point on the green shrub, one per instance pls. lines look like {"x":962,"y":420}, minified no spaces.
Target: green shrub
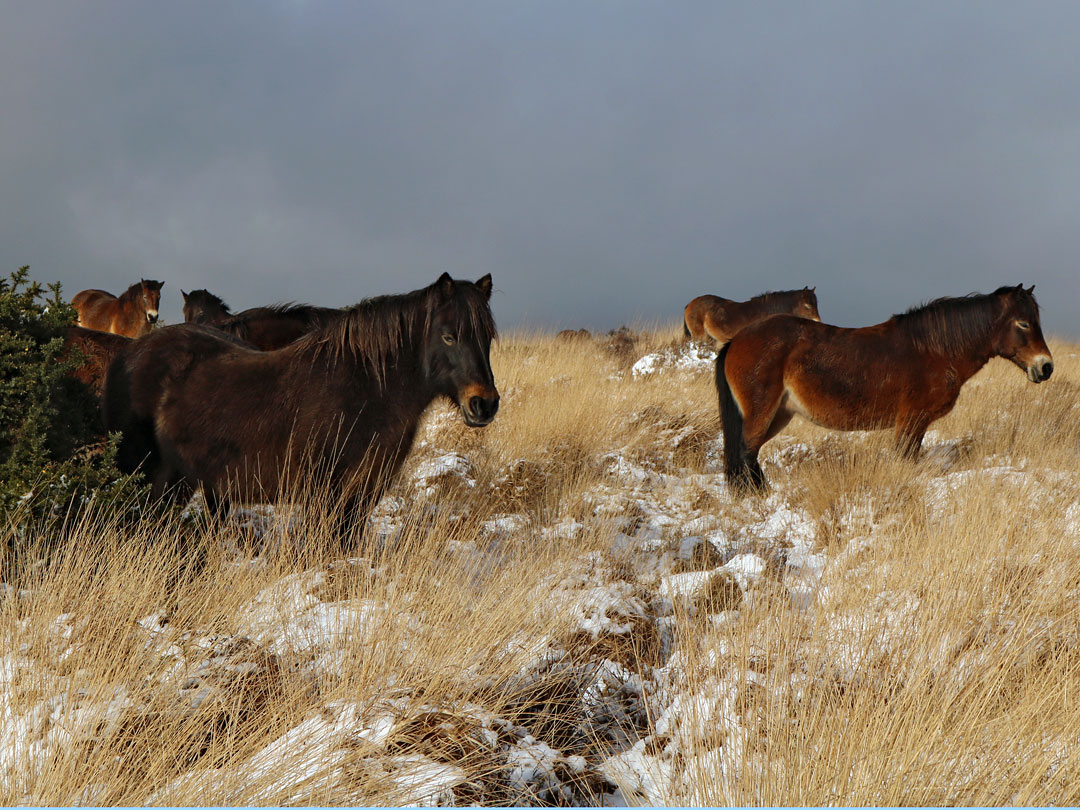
{"x":54,"y":458}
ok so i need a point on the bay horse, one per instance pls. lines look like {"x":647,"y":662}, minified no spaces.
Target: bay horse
{"x":267,"y":328}
{"x":904,"y":373}
{"x":132,"y":314}
{"x":720,"y":318}
{"x":342,"y":404}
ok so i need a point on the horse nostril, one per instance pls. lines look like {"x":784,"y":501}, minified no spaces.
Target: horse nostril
{"x":484,"y":407}
{"x":1047,"y":370}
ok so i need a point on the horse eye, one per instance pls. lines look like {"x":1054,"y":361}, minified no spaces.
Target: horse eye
{"x":1023,"y":325}
{"x":448,"y":339}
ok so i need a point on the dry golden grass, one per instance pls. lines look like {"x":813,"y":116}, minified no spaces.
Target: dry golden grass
{"x":935,"y":660}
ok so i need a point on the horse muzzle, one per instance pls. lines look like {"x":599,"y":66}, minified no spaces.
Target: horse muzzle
{"x":478,"y":405}
{"x":152,"y":317}
{"x":1040,"y":370}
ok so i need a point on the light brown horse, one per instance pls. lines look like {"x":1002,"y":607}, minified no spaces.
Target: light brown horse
{"x":132,"y":314}
{"x":721,"y":318}
{"x":903,"y":373}
{"x":341,"y":405}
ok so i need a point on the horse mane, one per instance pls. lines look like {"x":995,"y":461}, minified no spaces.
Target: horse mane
{"x":952,"y":325}
{"x":376,"y":330}
{"x":778,"y":300}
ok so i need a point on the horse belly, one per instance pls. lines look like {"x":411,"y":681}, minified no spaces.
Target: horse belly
{"x":840,"y":403}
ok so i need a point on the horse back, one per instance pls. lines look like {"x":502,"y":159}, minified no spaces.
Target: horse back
{"x":271,"y":328}
{"x":139,"y":379}
{"x":95,"y":309}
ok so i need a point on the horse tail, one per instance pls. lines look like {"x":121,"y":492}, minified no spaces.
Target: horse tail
{"x":731,"y":423}
{"x":685,"y":327}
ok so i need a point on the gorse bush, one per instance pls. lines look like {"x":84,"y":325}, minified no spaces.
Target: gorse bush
{"x":53,"y":455}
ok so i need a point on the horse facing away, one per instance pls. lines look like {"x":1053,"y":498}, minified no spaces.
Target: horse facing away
{"x":905,"y":372}
{"x":202,"y":306}
{"x":132,"y":314}
{"x":266,"y":328}
{"x":721,"y":318}
{"x":342,"y":404}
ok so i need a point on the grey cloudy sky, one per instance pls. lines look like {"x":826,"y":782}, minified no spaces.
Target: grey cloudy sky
{"x":605,"y":161}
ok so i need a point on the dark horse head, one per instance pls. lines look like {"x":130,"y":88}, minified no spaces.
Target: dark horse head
{"x":1019,"y":336}
{"x":202,"y":306}
{"x":806,"y":304}
{"x":456,"y":355}
{"x":445,"y":329}
{"x":150,"y":297}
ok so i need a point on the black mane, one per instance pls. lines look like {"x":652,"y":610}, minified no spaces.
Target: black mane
{"x":376,"y":330}
{"x":950,"y":325}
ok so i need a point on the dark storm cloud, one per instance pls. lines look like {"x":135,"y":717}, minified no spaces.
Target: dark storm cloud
{"x":606,"y":161}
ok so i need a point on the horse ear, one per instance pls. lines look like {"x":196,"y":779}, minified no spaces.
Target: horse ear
{"x":1031,"y":289}
{"x":183,"y":293}
{"x":484,"y":283}
{"x":445,"y":285}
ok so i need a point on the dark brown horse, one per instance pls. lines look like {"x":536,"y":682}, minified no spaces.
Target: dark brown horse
{"x":342,"y":404}
{"x":97,"y":351}
{"x":133,"y":314}
{"x":903,"y":373}
{"x":266,"y":328}
{"x":202,"y":306}
{"x":721,"y":318}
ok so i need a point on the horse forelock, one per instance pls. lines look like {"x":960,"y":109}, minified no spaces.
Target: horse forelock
{"x":952,"y":325}
{"x":377,"y":330}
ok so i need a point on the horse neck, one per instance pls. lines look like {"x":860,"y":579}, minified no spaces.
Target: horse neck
{"x":399,"y":377}
{"x":966,"y":355}
{"x":755,"y":309}
{"x":774,"y":305}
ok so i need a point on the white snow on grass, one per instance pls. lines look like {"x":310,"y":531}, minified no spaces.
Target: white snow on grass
{"x":689,"y":357}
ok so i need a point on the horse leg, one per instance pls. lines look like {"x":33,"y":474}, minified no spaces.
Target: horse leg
{"x":169,"y":485}
{"x":217,"y":505}
{"x":349,"y":529}
{"x":745,"y":433}
{"x":911,"y":425}
{"x":909,"y":438}
{"x":689,"y":330}
{"x":714,"y":328}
